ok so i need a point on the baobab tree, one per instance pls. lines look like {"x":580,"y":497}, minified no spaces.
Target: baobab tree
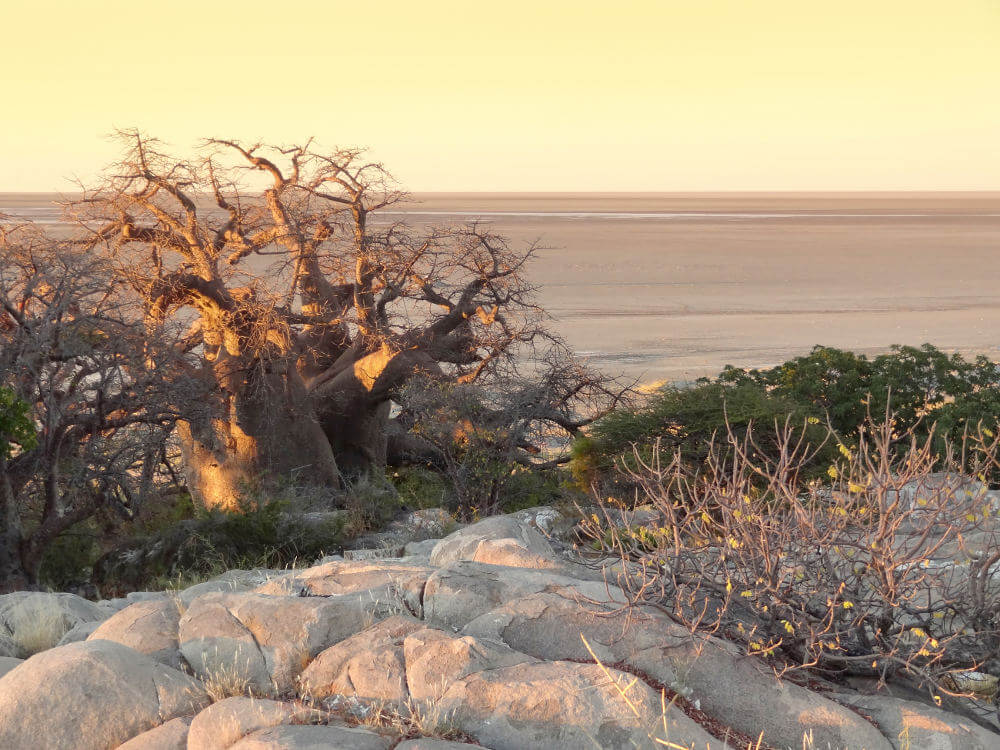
{"x":308,"y":307}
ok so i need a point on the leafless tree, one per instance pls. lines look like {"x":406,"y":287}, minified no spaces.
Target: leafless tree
{"x":103,"y":395}
{"x":308,"y":308}
{"x":483,"y":435}
{"x":889,"y":572}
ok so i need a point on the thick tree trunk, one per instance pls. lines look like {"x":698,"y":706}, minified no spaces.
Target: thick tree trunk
{"x":359,"y":439}
{"x":265,"y":430}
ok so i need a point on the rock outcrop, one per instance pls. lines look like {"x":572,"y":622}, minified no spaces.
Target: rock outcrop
{"x":490,"y":636}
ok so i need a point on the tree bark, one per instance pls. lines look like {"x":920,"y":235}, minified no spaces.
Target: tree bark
{"x":13,"y":576}
{"x":265,"y":429}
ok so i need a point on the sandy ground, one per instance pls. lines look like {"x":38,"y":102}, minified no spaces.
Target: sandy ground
{"x":677,"y":286}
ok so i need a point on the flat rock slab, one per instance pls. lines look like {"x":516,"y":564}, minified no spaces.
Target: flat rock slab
{"x":401,"y":662}
{"x":401,"y":582}
{"x":738,"y":691}
{"x":305,"y":737}
{"x":93,"y":695}
{"x":459,"y":593}
{"x":223,"y":724}
{"x":566,"y":706}
{"x":909,"y":725}
{"x":231,"y":581}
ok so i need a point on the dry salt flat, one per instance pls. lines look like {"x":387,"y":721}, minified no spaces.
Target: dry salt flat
{"x":674,"y":286}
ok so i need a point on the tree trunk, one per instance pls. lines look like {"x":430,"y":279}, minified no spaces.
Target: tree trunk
{"x":359,"y":438}
{"x":13,"y":576}
{"x":265,"y":429}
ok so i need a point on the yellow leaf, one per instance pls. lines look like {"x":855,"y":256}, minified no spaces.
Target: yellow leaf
{"x":970,"y":517}
{"x":832,"y":472}
{"x":847,"y":605}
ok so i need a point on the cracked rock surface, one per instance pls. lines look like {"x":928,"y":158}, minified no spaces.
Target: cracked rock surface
{"x":491,"y":637}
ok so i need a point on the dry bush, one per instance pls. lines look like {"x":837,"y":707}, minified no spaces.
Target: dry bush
{"x":887,"y":571}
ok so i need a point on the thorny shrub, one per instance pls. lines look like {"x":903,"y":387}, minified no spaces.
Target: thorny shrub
{"x":889,"y":570}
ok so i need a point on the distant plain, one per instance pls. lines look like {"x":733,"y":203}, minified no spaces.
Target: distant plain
{"x":674,"y":286}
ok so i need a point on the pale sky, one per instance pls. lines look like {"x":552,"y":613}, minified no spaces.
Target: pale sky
{"x":512,"y":95}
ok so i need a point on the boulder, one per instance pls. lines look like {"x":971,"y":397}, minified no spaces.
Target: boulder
{"x":79,"y":632}
{"x":545,"y":518}
{"x":316,"y":737}
{"x":225,"y":723}
{"x":230,"y":582}
{"x":462,"y":591}
{"x":428,"y":743}
{"x":170,"y":736}
{"x":91,"y":695}
{"x":909,"y":724}
{"x":739,"y":691}
{"x":566,"y":706}
{"x":146,"y":596}
{"x":368,"y":665}
{"x":400,"y":581}
{"x":263,"y":642}
{"x":941,"y":486}
{"x":409,"y":527}
{"x":435,"y":659}
{"x":150,"y":627}
{"x":420,"y":550}
{"x":37,"y":620}
{"x":7,"y":663}
{"x":498,"y":540}
{"x":402,"y":662}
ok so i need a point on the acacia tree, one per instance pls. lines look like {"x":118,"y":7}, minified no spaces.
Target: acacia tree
{"x":93,"y":397}
{"x":308,"y":307}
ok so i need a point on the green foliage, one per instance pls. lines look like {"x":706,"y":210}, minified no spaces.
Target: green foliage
{"x":528,"y":488}
{"x":16,"y":424}
{"x":420,"y":487}
{"x":922,"y":387}
{"x":688,"y":419}
{"x":69,"y":560}
{"x":938,"y":395}
{"x":259,"y":535}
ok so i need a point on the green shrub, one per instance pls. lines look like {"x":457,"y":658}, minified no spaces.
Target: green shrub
{"x":419,"y":487}
{"x":938,"y":396}
{"x":530,"y":487}
{"x":68,"y":562}
{"x":688,"y":420}
{"x":925,"y":388}
{"x":260,"y":535}
{"x":16,"y":424}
